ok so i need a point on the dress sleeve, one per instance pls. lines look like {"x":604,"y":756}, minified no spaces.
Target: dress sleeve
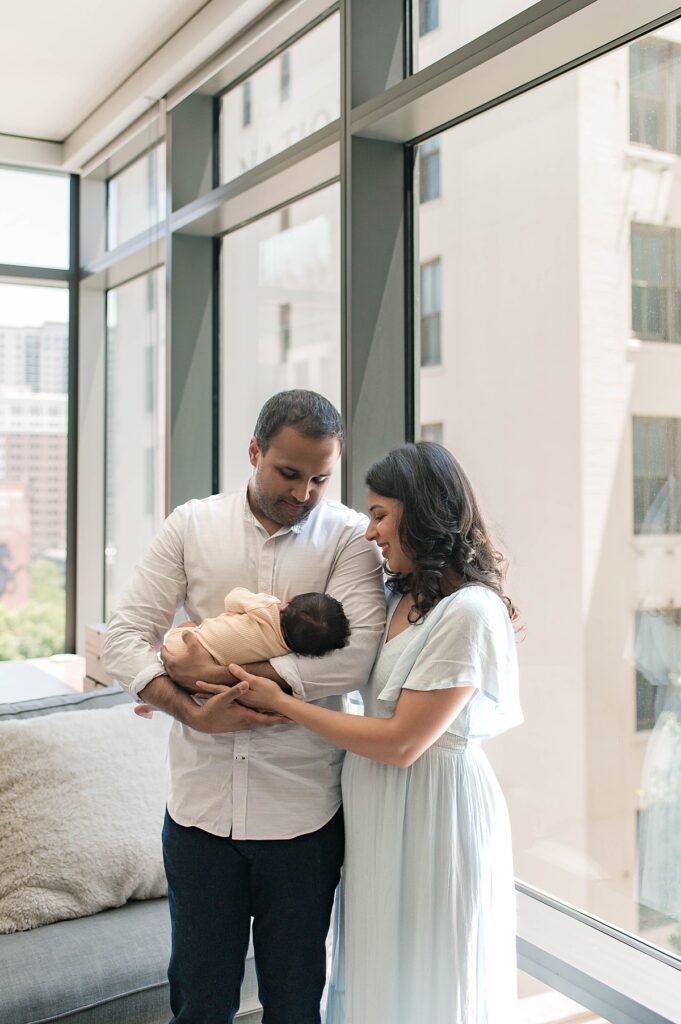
{"x":473,"y":644}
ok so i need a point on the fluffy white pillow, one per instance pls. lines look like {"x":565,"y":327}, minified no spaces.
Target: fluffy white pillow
{"x":82,"y":797}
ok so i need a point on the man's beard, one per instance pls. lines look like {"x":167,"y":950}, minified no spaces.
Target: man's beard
{"x":276,"y":510}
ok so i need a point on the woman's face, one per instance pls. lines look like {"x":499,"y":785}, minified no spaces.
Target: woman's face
{"x":384,"y":515}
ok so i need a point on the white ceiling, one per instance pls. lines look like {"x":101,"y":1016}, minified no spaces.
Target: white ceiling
{"x":60,"y":59}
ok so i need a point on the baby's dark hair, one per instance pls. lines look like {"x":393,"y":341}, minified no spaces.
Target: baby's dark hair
{"x":314,"y":624}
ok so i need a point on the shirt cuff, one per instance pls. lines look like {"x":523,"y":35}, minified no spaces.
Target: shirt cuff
{"x":287,"y":667}
{"x":144,"y":677}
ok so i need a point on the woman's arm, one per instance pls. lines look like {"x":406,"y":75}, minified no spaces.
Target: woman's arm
{"x":420,"y":718}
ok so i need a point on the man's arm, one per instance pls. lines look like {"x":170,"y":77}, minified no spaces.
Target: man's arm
{"x":356,"y":581}
{"x":147,"y":609}
{"x":194,"y":662}
{"x":218,"y":714}
{"x":145,"y":613}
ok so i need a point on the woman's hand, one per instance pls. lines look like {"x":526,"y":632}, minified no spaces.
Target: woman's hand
{"x":221,"y":712}
{"x":194,"y":663}
{"x":261,"y":693}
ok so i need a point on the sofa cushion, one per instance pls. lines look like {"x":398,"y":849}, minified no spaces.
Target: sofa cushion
{"x":81,"y":808}
{"x":101,"y":697}
{"x":106,"y":969}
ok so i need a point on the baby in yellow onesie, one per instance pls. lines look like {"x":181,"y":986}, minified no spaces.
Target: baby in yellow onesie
{"x":257,"y":627}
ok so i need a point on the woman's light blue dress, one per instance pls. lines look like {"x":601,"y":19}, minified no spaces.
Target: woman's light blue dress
{"x":425,"y":932}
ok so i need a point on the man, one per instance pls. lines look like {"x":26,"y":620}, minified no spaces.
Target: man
{"x":254,"y":826}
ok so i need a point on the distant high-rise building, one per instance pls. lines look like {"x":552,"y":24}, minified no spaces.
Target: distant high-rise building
{"x":33,"y":451}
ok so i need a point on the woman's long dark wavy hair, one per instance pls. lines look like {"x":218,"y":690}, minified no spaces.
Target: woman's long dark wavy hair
{"x":441,"y":527}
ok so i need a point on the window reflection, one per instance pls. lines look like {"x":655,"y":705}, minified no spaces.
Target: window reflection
{"x":280,"y":317}
{"x":558,"y":385}
{"x":136,"y":197}
{"x":135,"y":426}
{"x":289,"y":98}
{"x":443,"y":27}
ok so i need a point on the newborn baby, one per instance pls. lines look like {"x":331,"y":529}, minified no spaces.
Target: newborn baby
{"x":258,"y":627}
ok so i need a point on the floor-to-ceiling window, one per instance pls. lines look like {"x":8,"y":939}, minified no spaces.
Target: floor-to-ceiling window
{"x":555,"y":383}
{"x":34,"y":351}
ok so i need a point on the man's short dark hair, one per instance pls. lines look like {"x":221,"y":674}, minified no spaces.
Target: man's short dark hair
{"x":306,"y":411}
{"x":315,"y":624}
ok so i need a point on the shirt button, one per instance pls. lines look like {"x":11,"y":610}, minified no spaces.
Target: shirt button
{"x":239,"y":757}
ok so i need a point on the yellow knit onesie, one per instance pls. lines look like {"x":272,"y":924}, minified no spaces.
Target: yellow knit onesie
{"x":248,"y":630}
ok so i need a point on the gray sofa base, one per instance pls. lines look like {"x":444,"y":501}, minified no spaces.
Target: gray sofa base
{"x":106,"y":969}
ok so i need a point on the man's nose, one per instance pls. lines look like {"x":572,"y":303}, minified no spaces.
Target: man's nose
{"x":301,"y":492}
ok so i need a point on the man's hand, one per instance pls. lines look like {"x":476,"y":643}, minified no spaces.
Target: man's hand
{"x":261,"y":693}
{"x":221,"y":713}
{"x":194,"y":663}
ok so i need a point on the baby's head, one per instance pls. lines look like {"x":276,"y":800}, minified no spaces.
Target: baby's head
{"x":314,"y":624}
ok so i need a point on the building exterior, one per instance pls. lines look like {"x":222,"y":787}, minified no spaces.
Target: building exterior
{"x":34,"y":357}
{"x":551,"y":365}
{"x":33,"y":453}
{"x":15,"y":545}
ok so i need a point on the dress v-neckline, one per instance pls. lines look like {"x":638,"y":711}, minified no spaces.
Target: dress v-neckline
{"x":386,"y":642}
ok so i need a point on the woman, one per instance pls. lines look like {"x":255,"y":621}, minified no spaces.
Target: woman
{"x":427,"y":925}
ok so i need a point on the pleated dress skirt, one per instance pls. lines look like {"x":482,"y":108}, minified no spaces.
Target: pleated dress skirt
{"x":425,"y":923}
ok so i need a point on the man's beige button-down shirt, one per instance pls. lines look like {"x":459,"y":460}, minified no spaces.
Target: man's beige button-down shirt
{"x":268,"y":783}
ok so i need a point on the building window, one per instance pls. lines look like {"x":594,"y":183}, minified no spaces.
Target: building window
{"x":246,"y":102}
{"x":655,"y":94}
{"x":657,"y":475}
{"x":430,"y":314}
{"x":656,"y":283}
{"x":432,"y":432}
{"x":429,"y":16}
{"x":150,"y":378}
{"x":657,"y":657}
{"x":150,"y":481}
{"x":285,"y":76}
{"x":429,"y":170}
{"x":284,"y":331}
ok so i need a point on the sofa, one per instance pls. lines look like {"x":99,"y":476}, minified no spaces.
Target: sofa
{"x":108,"y":967}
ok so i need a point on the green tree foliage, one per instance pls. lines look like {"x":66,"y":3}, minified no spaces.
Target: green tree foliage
{"x":37,"y":629}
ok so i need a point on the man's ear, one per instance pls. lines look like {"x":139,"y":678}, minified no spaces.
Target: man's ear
{"x":253,"y":451}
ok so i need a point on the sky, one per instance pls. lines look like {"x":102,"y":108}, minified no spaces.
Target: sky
{"x":34,"y":231}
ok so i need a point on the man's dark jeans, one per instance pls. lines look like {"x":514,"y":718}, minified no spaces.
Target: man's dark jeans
{"x":215,"y":886}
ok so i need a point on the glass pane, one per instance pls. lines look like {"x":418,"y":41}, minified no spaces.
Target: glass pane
{"x":34,"y":218}
{"x":655,"y":323}
{"x":135,"y":426}
{"x":647,"y":69}
{"x":429,"y":170}
{"x":136,"y":198}
{"x":536,"y":395}
{"x":289,"y":98}
{"x":654,"y":257}
{"x":430,"y":288}
{"x":33,"y":424}
{"x":638,"y":254}
{"x":280,"y":284}
{"x":657,"y":454}
{"x":441,"y":26}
